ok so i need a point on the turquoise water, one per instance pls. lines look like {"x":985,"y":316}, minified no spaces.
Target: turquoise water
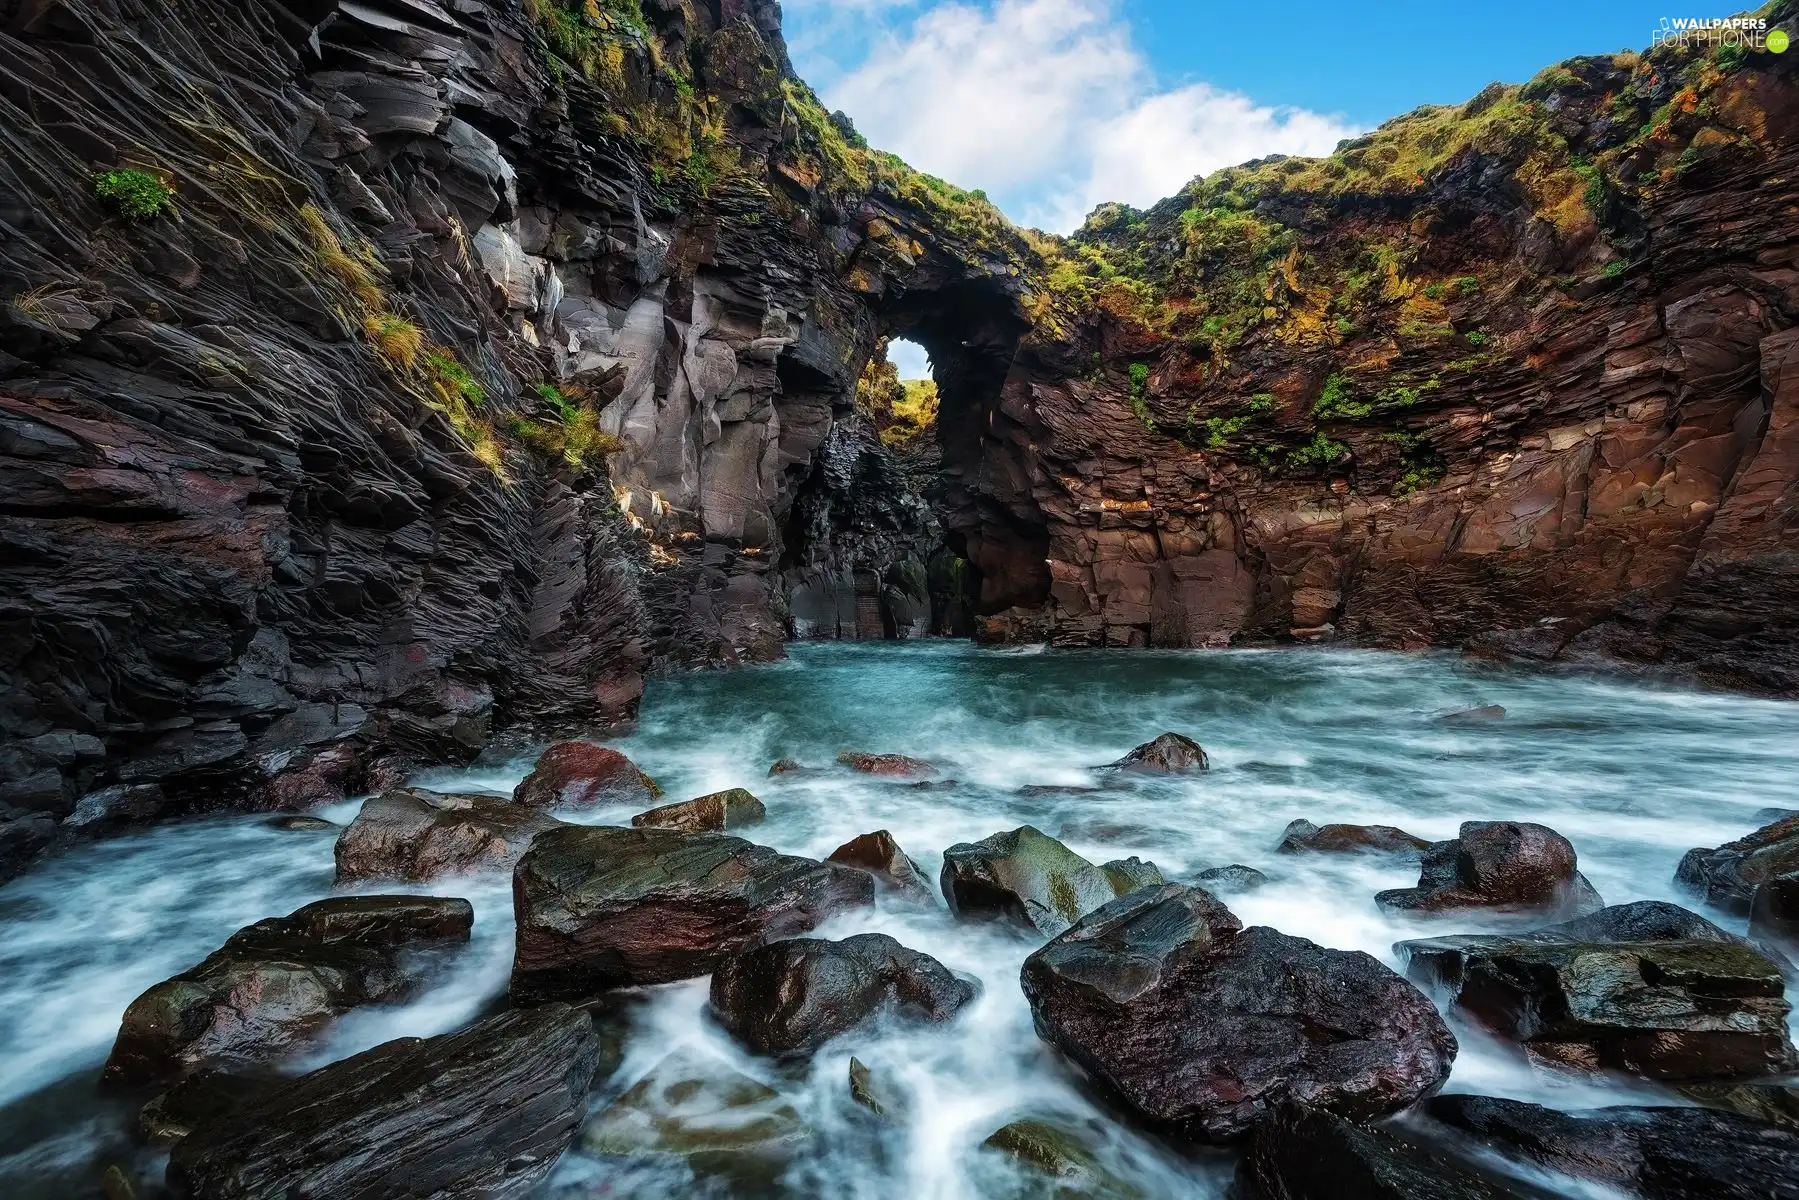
{"x":1633,"y":775}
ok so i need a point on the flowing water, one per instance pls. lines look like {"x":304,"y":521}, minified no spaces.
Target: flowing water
{"x":1632,"y":775}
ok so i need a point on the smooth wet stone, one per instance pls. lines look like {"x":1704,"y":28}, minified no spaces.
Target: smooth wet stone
{"x":1726,"y":877}
{"x":1774,"y":1101}
{"x":480,"y":1113}
{"x":582,"y":775}
{"x":1658,"y":1153}
{"x":275,"y":984}
{"x":1580,"y":996}
{"x":297,"y":823}
{"x":869,"y":1090}
{"x":702,"y":1110}
{"x":791,"y":997}
{"x":890,"y":766}
{"x":414,"y":835}
{"x":1232,"y":878}
{"x":894,"y":871}
{"x":1168,"y":754}
{"x":1196,"y":1025}
{"x":714,"y":812}
{"x":1774,"y":909}
{"x":1025,"y":876}
{"x":599,"y":907}
{"x":1303,"y":837}
{"x":1502,"y":866}
{"x":1128,"y":874}
{"x":1058,"y":1151}
{"x":1301,"y":1153}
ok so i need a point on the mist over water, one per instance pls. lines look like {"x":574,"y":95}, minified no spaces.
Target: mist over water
{"x":1632,"y":775}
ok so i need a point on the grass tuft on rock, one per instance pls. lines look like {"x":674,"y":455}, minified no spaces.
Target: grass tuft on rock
{"x":133,"y":194}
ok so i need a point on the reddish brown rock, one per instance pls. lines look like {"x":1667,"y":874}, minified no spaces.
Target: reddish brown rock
{"x":881,"y":856}
{"x":1508,"y":866}
{"x":1166,"y":754}
{"x":711,"y":813}
{"x":893,"y":766}
{"x":414,"y":835}
{"x":1303,"y":837}
{"x":582,"y":775}
{"x":1728,"y":876}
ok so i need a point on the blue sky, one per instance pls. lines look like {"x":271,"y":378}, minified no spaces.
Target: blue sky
{"x":1053,"y":106}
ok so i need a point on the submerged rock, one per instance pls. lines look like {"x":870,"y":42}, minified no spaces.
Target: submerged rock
{"x":1232,"y":878}
{"x":1659,"y":1153}
{"x":601,"y":907}
{"x":416,"y":835}
{"x":786,"y":766}
{"x":1608,"y":992}
{"x":1023,"y":875}
{"x":697,"y":1108}
{"x":895,"y":766}
{"x":792,"y":997}
{"x":1128,"y":874}
{"x":894,"y":871}
{"x":1508,"y":866}
{"x":1061,"y":1152}
{"x":299,"y":823}
{"x":1774,"y":909}
{"x":582,"y":775}
{"x":1303,"y":837}
{"x":1475,"y":715}
{"x":1727,"y":876}
{"x":483,"y":1112}
{"x":714,"y":812}
{"x":1300,"y":1153}
{"x":1168,"y":754}
{"x":278,"y":982}
{"x":870,"y":1092}
{"x":1197,"y":1025}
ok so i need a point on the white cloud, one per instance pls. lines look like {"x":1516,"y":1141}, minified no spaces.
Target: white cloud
{"x":1049,"y":106}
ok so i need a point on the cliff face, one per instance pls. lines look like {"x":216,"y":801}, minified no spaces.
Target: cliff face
{"x":377,"y":378}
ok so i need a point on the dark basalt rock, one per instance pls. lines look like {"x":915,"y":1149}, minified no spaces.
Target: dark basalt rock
{"x":1508,"y":866}
{"x":1300,"y":1153}
{"x":1587,"y":995}
{"x":1774,"y":909}
{"x":1232,"y":878}
{"x":1168,"y":754}
{"x":203,"y":1098}
{"x":893,"y":870}
{"x":1023,"y":875}
{"x":601,"y":908}
{"x":1727,"y":877}
{"x":1198,"y":1026}
{"x":483,"y":1112}
{"x":792,"y":997}
{"x":1303,"y":837}
{"x":1128,"y":874}
{"x":1774,"y":1101}
{"x":415,"y":835}
{"x":582,"y":775}
{"x":892,"y":766}
{"x":279,"y":981}
{"x":714,"y":812}
{"x":1659,"y":1153}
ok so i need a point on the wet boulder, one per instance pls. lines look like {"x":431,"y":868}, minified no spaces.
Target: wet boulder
{"x":483,"y":1112}
{"x":1232,"y":878}
{"x":786,"y":766}
{"x":1726,"y":877}
{"x":1303,"y":837}
{"x":1479,"y":714}
{"x":1062,"y":1152}
{"x":600,"y":907}
{"x":205,"y":1097}
{"x":1301,"y":1153}
{"x":1659,"y":1153}
{"x":1774,"y":909}
{"x":300,"y":823}
{"x":1197,"y":1025}
{"x":276,"y":983}
{"x":1505,"y":866}
{"x":714,"y":812}
{"x":582,"y":775}
{"x":1608,"y":992}
{"x":1128,"y":874}
{"x":1025,"y":876}
{"x":1773,"y":1101}
{"x":1168,"y":754}
{"x":415,"y":835}
{"x":889,"y":766}
{"x":893,"y":869}
{"x":791,"y":997}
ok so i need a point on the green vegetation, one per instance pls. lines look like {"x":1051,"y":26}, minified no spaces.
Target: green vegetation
{"x":1140,"y":395}
{"x":1419,"y":466}
{"x":1477,"y":338}
{"x":571,"y":433}
{"x":398,"y":339}
{"x":914,"y":414}
{"x":133,"y":194}
{"x":1221,"y":431}
{"x":1318,"y":453}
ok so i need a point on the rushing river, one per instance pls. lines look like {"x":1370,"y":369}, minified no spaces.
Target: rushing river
{"x":1632,"y":775}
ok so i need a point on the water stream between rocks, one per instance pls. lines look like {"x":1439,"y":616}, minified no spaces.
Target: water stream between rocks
{"x":1632,"y":775}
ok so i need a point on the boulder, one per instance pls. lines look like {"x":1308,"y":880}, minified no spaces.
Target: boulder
{"x":1233,"y":878}
{"x":1727,"y":877}
{"x":1506,"y":866}
{"x":1610,"y":992}
{"x":871,"y":1092}
{"x":791,"y":997}
{"x":416,"y":835}
{"x":714,"y":812}
{"x":894,"y":766}
{"x":1774,"y":1101}
{"x":1774,"y":909}
{"x":600,"y":907}
{"x":1301,"y":1153}
{"x":1168,"y":754}
{"x":786,"y":766}
{"x":582,"y":775}
{"x":300,"y":823}
{"x":893,"y":870}
{"x":1058,"y":1150}
{"x":1659,"y":1153}
{"x":1303,"y":837}
{"x":483,"y":1112}
{"x":1025,"y":876}
{"x":276,"y":983}
{"x":1197,"y":1025}
{"x":1473,"y":716}
{"x":1128,"y":874}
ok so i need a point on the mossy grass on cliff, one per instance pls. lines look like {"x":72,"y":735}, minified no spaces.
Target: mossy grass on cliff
{"x":134,"y":194}
{"x":570,"y":432}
